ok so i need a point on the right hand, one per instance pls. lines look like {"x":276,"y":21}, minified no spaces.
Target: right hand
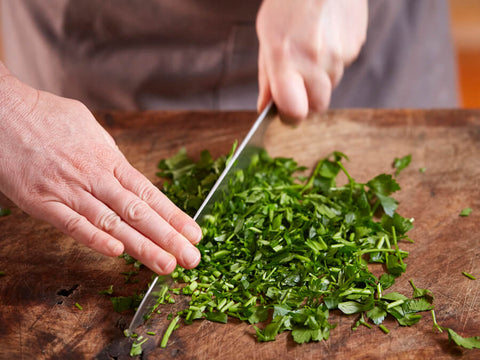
{"x":58,"y":164}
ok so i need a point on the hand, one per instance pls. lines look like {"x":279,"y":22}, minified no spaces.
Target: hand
{"x":58,"y":164}
{"x":304,"y":48}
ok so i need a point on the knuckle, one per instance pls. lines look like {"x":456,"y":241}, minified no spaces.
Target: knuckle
{"x":136,"y":210}
{"x":94,"y":240}
{"x":142,"y":250}
{"x":73,"y":224}
{"x":148,"y":193}
{"x":109,"y":221}
{"x":170,"y":240}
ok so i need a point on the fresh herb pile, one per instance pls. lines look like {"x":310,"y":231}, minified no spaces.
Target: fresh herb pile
{"x":293,"y":246}
{"x":284,"y":249}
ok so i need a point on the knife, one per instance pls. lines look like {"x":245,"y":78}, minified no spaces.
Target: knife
{"x":251,"y":145}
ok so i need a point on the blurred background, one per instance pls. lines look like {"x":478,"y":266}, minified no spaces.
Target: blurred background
{"x":465,"y":23}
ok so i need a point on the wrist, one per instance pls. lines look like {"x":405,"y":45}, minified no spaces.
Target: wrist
{"x":16,"y":98}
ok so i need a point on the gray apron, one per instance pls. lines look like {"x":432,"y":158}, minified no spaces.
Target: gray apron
{"x":202,"y":54}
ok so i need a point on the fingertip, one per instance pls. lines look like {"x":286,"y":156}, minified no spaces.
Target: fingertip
{"x":115,"y":247}
{"x":165,"y":267}
{"x":190,"y":257}
{"x":193,"y":233}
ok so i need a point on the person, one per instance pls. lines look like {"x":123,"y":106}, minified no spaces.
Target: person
{"x":58,"y":164}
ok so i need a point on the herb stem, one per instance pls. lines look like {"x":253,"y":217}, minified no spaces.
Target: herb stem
{"x":384,"y":329}
{"x":470,"y":276}
{"x":169,"y":331}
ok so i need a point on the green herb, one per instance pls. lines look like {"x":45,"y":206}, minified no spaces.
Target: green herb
{"x":169,"y":331}
{"x":284,"y":249}
{"x":4,"y":212}
{"x":2,"y":273}
{"x":151,"y":333}
{"x":401,"y":163}
{"x":422,"y":170}
{"x":468,"y":343}
{"x":466,"y":212}
{"x":108,"y":291}
{"x":470,"y":276}
{"x":79,"y":306}
{"x":280,"y":243}
{"x":122,"y":303}
{"x":128,"y":276}
{"x":137,"y":346}
{"x":384,"y":329}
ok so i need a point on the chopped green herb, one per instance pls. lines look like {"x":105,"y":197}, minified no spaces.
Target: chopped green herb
{"x":122,"y":303}
{"x":280,"y":242}
{"x":401,"y":163}
{"x":468,"y":343}
{"x":128,"y":276}
{"x":292,"y":247}
{"x":2,"y":273}
{"x":4,"y":212}
{"x":384,"y":329}
{"x":470,"y":276}
{"x":151,"y":333}
{"x":466,"y":212}
{"x":137,"y":346}
{"x":169,"y":331}
{"x":79,"y":306}
{"x":422,"y":170}
{"x":108,"y":291}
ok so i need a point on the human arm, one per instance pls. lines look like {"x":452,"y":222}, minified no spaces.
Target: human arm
{"x":58,"y":164}
{"x":304,"y":47}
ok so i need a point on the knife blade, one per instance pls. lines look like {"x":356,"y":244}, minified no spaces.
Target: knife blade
{"x":251,"y":145}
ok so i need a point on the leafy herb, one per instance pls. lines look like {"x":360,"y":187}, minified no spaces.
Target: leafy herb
{"x":422,"y":170}
{"x":401,"y":163}
{"x":470,"y":276}
{"x":137,"y":346}
{"x":291,"y":246}
{"x":468,"y":343}
{"x":286,"y":249}
{"x":466,"y":212}
{"x":79,"y":306}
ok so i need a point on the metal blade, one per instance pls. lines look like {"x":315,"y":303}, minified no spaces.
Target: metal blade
{"x":251,"y":145}
{"x":158,"y":288}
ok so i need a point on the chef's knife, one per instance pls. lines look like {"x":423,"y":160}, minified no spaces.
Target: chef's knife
{"x":250,"y":146}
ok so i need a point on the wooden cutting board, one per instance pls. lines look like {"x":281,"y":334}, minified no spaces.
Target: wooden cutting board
{"x":46,"y":272}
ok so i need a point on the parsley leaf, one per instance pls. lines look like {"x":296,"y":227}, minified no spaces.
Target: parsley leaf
{"x":401,"y":163}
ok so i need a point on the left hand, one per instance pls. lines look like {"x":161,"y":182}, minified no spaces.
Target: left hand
{"x":304,"y":48}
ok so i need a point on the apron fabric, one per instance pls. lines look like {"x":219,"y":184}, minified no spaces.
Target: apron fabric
{"x":202,"y":54}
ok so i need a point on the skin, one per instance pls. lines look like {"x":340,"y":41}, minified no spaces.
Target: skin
{"x":59,"y":165}
{"x":305,"y":46}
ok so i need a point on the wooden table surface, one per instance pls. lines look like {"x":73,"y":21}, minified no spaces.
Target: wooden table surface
{"x":46,"y":272}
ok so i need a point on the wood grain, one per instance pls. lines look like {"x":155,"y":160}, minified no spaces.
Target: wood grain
{"x":47,"y":272}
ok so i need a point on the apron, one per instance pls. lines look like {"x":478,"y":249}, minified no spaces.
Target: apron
{"x":202,"y":54}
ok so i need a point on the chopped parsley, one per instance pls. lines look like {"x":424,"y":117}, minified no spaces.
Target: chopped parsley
{"x":466,"y":212}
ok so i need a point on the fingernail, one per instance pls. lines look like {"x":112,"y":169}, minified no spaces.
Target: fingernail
{"x":192,"y":233}
{"x":168,"y":267}
{"x":191,"y":257}
{"x":115,"y":247}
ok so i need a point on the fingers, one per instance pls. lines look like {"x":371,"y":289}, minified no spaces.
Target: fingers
{"x":135,"y":243}
{"x":79,"y":228}
{"x":265,"y":94}
{"x":132,"y":180}
{"x":288,"y":90}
